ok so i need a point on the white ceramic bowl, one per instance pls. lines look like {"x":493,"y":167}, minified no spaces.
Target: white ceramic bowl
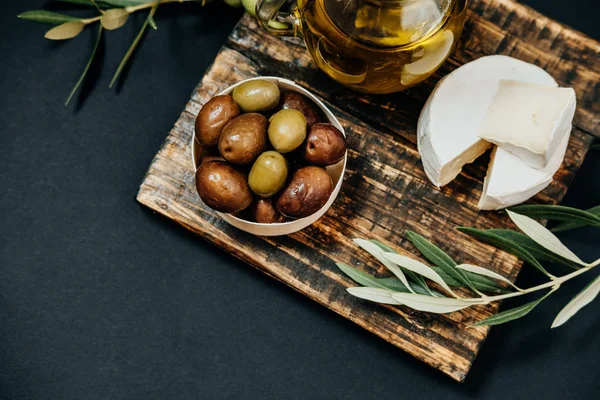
{"x":336,"y":171}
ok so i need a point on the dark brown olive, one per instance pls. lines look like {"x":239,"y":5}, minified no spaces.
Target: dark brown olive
{"x":296,"y":101}
{"x":222,"y":187}
{"x":206,"y":159}
{"x":213,"y":117}
{"x":325,"y":145}
{"x":306,"y":193}
{"x":264,"y":212}
{"x":244,"y":138}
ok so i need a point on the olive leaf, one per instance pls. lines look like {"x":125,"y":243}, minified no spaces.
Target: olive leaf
{"x":543,"y":236}
{"x":377,"y":295}
{"x":368,"y":280}
{"x":438,"y":257}
{"x":558,"y":213}
{"x":87,"y":66}
{"x":432,"y":304}
{"x":47,"y":17}
{"x":419,"y":268}
{"x":480,"y":282}
{"x":80,"y":2}
{"x":417,"y":279}
{"x":68,"y":30}
{"x":513,"y":313}
{"x":376,"y":252}
{"x":485,"y":272}
{"x":133,"y":46}
{"x":565,"y":226}
{"x":114,"y":18}
{"x":125,"y":3}
{"x":538,"y":252}
{"x":507,"y":245}
{"x":152,"y":23}
{"x":585,"y":297}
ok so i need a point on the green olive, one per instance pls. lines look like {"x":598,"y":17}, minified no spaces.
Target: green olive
{"x":303,"y":104}
{"x":268,"y":174}
{"x":287,"y":130}
{"x":256,"y":96}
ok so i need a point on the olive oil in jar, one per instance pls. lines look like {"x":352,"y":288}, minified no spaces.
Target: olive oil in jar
{"x":381,"y":46}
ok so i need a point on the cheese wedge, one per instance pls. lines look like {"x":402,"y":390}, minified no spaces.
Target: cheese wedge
{"x":511,"y":181}
{"x":529,"y":120}
{"x":449,"y":123}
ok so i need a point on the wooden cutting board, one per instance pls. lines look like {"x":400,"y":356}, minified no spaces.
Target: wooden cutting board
{"x":385,"y":191}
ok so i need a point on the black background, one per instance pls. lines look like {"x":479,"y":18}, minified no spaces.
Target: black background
{"x":101,"y":299}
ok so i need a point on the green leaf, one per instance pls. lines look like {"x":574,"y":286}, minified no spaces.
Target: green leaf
{"x":558,"y":213}
{"x":507,"y":245}
{"x":114,"y":18}
{"x":234,"y":3}
{"x":68,"y":30}
{"x":47,"y":17}
{"x":365,"y":279}
{"x":368,"y":280}
{"x":133,"y":46}
{"x":250,"y":6}
{"x":540,"y":253}
{"x":543,"y":236}
{"x":433,"y":304}
{"x":417,"y":279}
{"x":87,"y":66}
{"x":377,"y":295}
{"x":101,"y":3}
{"x":585,"y":297}
{"x":417,"y":267}
{"x":438,"y":257}
{"x":152,"y":23}
{"x":126,"y":3}
{"x":485,"y":272}
{"x":481,"y":283}
{"x":376,"y":252}
{"x":565,"y":226}
{"x":513,"y":313}
{"x":79,"y":2}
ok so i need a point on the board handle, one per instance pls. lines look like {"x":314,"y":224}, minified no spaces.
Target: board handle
{"x":276,"y":22}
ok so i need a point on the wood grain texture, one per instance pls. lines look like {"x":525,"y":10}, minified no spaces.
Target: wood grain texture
{"x":385,"y":191}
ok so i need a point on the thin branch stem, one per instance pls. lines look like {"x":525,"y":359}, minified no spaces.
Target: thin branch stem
{"x":556,"y":282}
{"x":132,"y":9}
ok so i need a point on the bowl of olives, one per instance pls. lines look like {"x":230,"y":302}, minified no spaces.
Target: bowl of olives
{"x":269,"y":156}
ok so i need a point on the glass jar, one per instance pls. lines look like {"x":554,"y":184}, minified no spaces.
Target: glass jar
{"x":373,"y":46}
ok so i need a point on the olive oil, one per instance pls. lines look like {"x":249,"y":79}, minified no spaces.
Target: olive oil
{"x":381,"y":46}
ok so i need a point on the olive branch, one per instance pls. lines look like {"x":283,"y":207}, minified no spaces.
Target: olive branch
{"x":409,"y":284}
{"x":111,"y":15}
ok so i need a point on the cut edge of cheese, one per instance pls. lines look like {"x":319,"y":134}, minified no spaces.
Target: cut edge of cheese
{"x":460,"y":121}
{"x":502,"y":189}
{"x":438,"y":174}
{"x":533,"y":154}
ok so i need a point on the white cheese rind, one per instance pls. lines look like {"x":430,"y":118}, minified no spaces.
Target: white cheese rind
{"x":448,"y":126}
{"x":529,"y":120}
{"x":511,"y":181}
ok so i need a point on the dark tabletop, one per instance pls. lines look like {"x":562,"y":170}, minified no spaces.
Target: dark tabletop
{"x":102,"y":299}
